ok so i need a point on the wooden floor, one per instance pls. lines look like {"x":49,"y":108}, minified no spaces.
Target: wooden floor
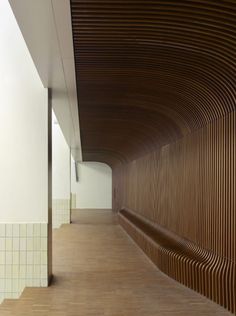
{"x":99,"y":271}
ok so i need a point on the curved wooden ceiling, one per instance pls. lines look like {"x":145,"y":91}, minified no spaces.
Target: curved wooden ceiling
{"x":148,"y":72}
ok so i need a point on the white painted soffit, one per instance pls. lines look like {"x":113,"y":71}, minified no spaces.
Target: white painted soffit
{"x":46,"y":28}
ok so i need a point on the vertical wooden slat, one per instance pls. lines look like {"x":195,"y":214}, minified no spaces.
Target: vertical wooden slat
{"x":193,"y":186}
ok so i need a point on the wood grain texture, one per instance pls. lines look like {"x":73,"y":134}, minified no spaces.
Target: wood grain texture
{"x":99,"y":271}
{"x":188,"y":188}
{"x":149,"y":72}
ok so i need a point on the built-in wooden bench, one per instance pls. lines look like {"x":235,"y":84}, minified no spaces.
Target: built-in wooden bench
{"x":188,"y":263}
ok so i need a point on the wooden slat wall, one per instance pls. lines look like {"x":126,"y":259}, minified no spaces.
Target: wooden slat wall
{"x":188,"y":188}
{"x":151,"y":71}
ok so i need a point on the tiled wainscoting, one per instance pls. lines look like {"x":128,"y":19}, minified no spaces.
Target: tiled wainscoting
{"x":23,"y":258}
{"x":73,"y":201}
{"x":60,"y":212}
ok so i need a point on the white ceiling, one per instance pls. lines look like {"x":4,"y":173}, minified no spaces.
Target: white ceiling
{"x":46,"y":28}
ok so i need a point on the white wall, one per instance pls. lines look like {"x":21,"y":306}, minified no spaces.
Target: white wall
{"x":94,"y":189}
{"x":23,"y":129}
{"x":60,"y":163}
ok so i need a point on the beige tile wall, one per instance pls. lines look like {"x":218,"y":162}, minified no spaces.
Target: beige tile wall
{"x":23,"y":258}
{"x":60,"y":212}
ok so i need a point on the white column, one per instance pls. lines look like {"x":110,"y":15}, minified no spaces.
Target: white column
{"x":24,"y":198}
{"x":60,"y":177}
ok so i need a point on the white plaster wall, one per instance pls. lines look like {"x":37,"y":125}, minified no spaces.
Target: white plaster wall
{"x":23,"y":129}
{"x":60,"y":163}
{"x":94,"y":189}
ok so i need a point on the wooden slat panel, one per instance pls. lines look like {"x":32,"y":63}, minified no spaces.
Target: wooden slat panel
{"x":188,"y":188}
{"x":150,"y":72}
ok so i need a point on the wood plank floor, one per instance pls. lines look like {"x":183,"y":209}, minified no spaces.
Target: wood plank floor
{"x":99,"y":271}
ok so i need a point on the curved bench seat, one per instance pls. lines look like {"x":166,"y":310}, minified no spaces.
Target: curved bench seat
{"x":186,"y":262}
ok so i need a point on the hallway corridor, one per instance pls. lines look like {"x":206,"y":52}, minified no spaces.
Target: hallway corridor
{"x":99,"y":271}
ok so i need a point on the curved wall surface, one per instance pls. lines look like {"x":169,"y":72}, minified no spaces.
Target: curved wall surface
{"x":150,"y":72}
{"x":186,"y":192}
{"x":157,"y":94}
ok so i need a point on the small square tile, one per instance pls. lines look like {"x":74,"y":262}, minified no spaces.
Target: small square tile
{"x":15,"y":295}
{"x":2,"y":285}
{"x":2,"y":297}
{"x":44,"y":257}
{"x":44,"y":243}
{"x":23,"y":257}
{"x":44,"y":271}
{"x":15,"y":257}
{"x":29,"y":282}
{"x":8,"y":271}
{"x":9,"y":231}
{"x":37,"y":257}
{"x":29,"y":271}
{"x":23,"y":244}
{"x":22,"y":272}
{"x":16,"y":244}
{"x":2,"y":271}
{"x":37,"y":230}
{"x":2,"y":230}
{"x":37,"y":271}
{"x":20,"y":290}
{"x":22,"y":283}
{"x":44,"y":282}
{"x":30,"y":230}
{"x":16,"y":230}
{"x":8,"y":295}
{"x":2,"y":257}
{"x":36,"y":282}
{"x":30,"y":244}
{"x":37,"y":243}
{"x":8,"y":257}
{"x":8,"y":244}
{"x":30,"y":257}
{"x":23,"y":230}
{"x":8,"y":285}
{"x":44,"y":230}
{"x":2,"y":243}
{"x":15,"y":271}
